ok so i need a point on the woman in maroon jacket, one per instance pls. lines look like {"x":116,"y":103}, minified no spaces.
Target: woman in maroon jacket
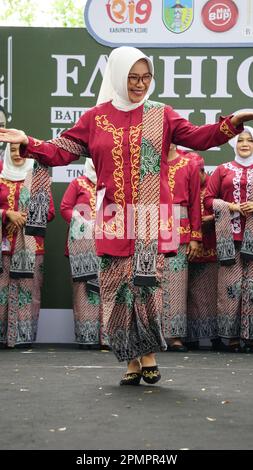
{"x":78,"y":208}
{"x":19,"y":292}
{"x":230,"y":195}
{"x":184,"y":183}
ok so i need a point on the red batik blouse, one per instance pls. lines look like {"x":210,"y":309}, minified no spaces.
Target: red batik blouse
{"x":113,"y":140}
{"x":184,"y":184}
{"x":9,"y":200}
{"x":80,"y":194}
{"x":231,"y":182}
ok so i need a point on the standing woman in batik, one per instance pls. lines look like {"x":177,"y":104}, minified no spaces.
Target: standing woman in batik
{"x":203,"y":276}
{"x":78,"y":208}
{"x":128,"y":138}
{"x":230,"y":195}
{"x":184,"y":185}
{"x":22,"y":255}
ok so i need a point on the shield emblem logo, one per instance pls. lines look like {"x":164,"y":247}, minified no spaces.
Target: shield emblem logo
{"x":178,"y":16}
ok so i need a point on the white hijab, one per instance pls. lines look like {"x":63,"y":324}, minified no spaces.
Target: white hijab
{"x":114,"y":87}
{"x":10,"y":171}
{"x":233,"y":142}
{"x":115,"y":81}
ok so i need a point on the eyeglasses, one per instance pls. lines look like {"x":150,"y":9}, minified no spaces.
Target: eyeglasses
{"x":134,"y":79}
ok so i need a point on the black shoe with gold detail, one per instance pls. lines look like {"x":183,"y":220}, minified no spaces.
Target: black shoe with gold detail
{"x":131,"y":378}
{"x":151,"y":374}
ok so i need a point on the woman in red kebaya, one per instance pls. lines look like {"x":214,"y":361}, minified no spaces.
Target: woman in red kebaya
{"x":128,"y":138}
{"x":230,"y":195}
{"x":202,"y":276}
{"x":20,"y":289}
{"x":184,"y":184}
{"x":78,"y":208}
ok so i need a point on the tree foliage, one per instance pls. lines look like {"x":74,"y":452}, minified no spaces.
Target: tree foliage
{"x":64,"y":13}
{"x":67,"y":14}
{"x":24,"y":11}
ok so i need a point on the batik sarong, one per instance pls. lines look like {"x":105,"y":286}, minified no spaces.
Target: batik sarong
{"x":202,"y":301}
{"x":20,"y":304}
{"x":235,"y":299}
{"x":175,"y":283}
{"x":132,"y":314}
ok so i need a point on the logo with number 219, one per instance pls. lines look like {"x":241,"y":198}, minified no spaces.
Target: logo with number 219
{"x":125,"y":11}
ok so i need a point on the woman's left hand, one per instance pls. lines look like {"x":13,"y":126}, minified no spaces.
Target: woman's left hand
{"x":192,"y":250}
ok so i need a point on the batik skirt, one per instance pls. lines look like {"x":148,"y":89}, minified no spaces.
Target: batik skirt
{"x":235,"y":299}
{"x":88,"y":316}
{"x":19,"y":305}
{"x":131,"y":314}
{"x":175,"y":282}
{"x":202,"y":301}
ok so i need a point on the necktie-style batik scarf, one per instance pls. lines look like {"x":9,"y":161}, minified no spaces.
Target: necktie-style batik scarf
{"x":247,"y":243}
{"x":37,"y":211}
{"x":224,"y":239}
{"x":147,"y":223}
{"x":34,"y":199}
{"x":82,"y":257}
{"x":23,"y":258}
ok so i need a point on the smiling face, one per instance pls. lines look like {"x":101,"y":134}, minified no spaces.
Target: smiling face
{"x":139,"y":79}
{"x":15,"y":156}
{"x":244,"y":146}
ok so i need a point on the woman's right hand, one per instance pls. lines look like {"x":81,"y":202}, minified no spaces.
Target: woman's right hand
{"x":13,"y":136}
{"x":11,"y":228}
{"x":17,"y":218}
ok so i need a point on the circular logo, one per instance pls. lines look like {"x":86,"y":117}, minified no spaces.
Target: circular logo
{"x":219,"y":16}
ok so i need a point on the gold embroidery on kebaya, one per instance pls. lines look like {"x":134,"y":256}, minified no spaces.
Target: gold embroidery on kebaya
{"x":196,"y":234}
{"x":135,"y":153}
{"x":226,"y":130}
{"x":202,"y":195}
{"x":92,"y":191}
{"x":172,"y":171}
{"x":184,"y":230}
{"x":11,"y":199}
{"x":202,"y":252}
{"x":166,"y":224}
{"x":39,"y":246}
{"x":116,"y":227}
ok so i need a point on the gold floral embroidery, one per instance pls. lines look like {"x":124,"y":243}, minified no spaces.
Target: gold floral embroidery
{"x":167,"y":224}
{"x":226,"y":130}
{"x":184,"y":230}
{"x":39,"y":246}
{"x":202,"y":195}
{"x":116,"y":227}
{"x":135,"y":153}
{"x":11,"y":199}
{"x":92,"y":191}
{"x":172,"y":171}
{"x":206,"y":253}
{"x":151,"y":374}
{"x":196,"y":234}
